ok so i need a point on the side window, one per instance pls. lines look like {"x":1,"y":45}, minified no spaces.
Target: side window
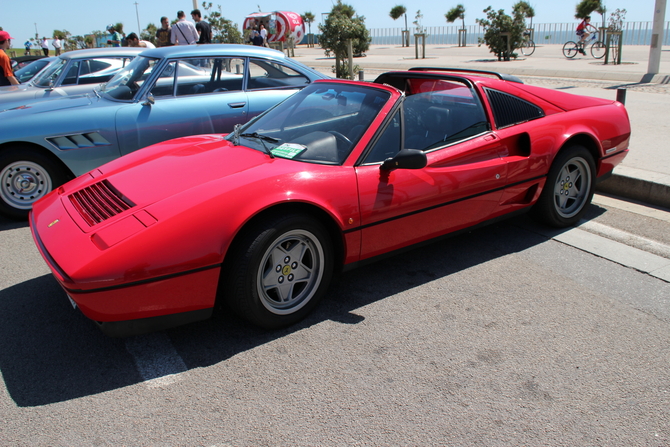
{"x":209,"y":75}
{"x":164,"y":85}
{"x":265,"y":74}
{"x":388,"y":144}
{"x":509,"y":110}
{"x":71,"y":74}
{"x":441,"y":113}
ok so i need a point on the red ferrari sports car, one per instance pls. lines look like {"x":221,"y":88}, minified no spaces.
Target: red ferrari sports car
{"x":338,"y":174}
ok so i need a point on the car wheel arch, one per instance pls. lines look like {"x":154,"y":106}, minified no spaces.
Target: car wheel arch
{"x":303,"y":208}
{"x":23,"y":145}
{"x":582,"y":139}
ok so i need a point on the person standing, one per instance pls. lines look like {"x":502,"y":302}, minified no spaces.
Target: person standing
{"x":203,"y":28}
{"x":183,"y":32}
{"x":57,"y":45}
{"x":45,"y":46}
{"x":27,"y":45}
{"x":115,"y":40}
{"x":264,"y":35}
{"x":163,"y":34}
{"x":6,"y":73}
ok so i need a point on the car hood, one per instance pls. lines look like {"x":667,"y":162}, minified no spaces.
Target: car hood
{"x":172,"y":167}
{"x":49,"y":105}
{"x":9,"y":89}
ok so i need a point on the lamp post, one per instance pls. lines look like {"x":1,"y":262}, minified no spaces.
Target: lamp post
{"x":656,"y":37}
{"x":139,"y":30}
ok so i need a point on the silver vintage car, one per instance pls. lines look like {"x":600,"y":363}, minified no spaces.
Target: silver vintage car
{"x":71,"y":73}
{"x":163,"y":93}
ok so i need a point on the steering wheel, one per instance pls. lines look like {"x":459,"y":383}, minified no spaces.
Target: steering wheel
{"x":340,"y":137}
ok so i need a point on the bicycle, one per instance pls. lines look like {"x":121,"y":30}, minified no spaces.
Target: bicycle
{"x":527,"y":45}
{"x":598,"y":49}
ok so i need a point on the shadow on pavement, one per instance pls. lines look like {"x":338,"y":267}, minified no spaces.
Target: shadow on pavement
{"x":52,"y":353}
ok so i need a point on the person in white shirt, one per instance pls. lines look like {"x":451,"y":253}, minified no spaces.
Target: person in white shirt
{"x":134,"y":41}
{"x":45,"y":46}
{"x":57,"y":45}
{"x":184,"y":32}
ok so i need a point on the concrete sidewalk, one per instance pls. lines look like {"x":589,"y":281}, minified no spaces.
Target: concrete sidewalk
{"x":645,"y":173}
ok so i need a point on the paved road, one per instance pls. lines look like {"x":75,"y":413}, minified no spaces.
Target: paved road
{"x":502,"y":336}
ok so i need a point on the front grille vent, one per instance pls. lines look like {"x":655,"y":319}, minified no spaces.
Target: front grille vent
{"x":99,"y":202}
{"x":509,"y":110}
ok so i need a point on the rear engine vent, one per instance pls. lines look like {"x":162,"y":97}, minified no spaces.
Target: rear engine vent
{"x":99,"y":202}
{"x":509,"y":110}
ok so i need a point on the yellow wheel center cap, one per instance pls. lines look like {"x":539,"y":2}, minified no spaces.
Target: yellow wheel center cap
{"x":286,"y":270}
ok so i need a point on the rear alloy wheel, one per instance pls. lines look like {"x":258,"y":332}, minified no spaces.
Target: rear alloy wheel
{"x":25,"y":177}
{"x":569,"y":188}
{"x":279,"y":271}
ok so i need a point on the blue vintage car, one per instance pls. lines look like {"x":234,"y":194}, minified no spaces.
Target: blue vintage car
{"x":163,"y":93}
{"x":72,"y":73}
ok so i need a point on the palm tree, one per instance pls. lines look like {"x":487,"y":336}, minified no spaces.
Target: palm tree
{"x":396,"y":12}
{"x":308,"y":18}
{"x":455,"y":13}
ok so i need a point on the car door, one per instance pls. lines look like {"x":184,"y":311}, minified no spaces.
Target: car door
{"x":191,"y":97}
{"x":461,"y":184}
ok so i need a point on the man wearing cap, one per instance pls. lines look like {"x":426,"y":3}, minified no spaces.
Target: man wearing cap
{"x":115,"y":41}
{"x":6,"y":74}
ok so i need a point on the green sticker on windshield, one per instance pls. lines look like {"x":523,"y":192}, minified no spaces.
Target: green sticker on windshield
{"x":288,"y":150}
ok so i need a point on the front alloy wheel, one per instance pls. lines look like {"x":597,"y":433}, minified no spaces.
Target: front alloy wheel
{"x":290,"y":272}
{"x":25,"y":177}
{"x":278,"y":270}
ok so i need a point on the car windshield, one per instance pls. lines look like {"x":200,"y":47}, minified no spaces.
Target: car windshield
{"x":50,"y":74}
{"x":25,"y":74}
{"x":125,"y":84}
{"x":319,"y":124}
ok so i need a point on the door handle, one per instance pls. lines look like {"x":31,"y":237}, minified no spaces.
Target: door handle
{"x":236,"y":105}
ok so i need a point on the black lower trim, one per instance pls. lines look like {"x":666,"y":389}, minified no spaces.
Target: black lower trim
{"x":440,"y":205}
{"x":144,"y":281}
{"x":143,"y":325}
{"x":357,"y":264}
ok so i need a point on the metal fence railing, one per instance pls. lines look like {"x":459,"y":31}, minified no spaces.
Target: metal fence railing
{"x":634,"y":33}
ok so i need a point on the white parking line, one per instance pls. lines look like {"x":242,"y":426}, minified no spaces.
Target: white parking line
{"x":156,"y":359}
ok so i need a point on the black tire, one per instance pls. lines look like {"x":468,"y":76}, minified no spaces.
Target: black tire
{"x":570,"y":49}
{"x":569,"y":188}
{"x":271,"y":292}
{"x":528,"y":48}
{"x":598,"y":50}
{"x":26,"y":176}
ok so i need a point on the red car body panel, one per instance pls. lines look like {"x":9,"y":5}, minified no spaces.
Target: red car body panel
{"x":191,"y":197}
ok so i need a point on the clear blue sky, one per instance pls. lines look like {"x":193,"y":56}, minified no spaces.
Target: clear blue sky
{"x":21,"y":18}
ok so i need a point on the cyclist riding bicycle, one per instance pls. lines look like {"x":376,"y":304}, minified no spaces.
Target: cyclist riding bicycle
{"x":583,"y":32}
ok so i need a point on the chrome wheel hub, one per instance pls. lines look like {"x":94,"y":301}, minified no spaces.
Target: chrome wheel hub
{"x":22,"y":183}
{"x":572,"y":187}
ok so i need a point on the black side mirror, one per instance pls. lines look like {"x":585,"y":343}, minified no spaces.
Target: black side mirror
{"x":405,"y":159}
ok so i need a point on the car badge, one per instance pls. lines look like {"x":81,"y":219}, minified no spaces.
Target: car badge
{"x":53,"y":223}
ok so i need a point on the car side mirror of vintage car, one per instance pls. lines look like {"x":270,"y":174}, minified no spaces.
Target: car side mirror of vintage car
{"x":150,"y":100}
{"x":406,"y":159}
{"x":50,"y":87}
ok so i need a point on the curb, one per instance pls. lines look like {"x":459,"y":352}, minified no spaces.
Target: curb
{"x":644,"y":186}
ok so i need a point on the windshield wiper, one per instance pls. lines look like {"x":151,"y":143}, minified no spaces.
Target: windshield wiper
{"x":262,"y":139}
